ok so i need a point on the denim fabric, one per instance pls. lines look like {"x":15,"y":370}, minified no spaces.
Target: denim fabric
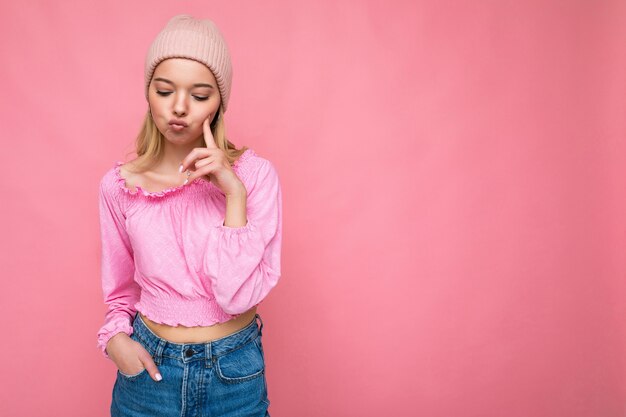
{"x":223,"y":377}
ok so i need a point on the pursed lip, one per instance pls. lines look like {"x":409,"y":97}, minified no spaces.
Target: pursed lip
{"x":178,"y":122}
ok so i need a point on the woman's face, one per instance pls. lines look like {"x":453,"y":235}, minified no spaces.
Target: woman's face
{"x":185,"y":90}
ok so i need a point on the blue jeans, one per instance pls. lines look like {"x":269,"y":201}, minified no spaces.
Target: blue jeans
{"x":223,"y":377}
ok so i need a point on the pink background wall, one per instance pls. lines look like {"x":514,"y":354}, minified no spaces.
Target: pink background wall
{"x":453,"y":179}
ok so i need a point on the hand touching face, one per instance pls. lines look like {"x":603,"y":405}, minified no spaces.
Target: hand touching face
{"x":211,"y":162}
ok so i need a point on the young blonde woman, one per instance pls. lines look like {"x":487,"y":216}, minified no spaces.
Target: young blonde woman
{"x":191,"y":243}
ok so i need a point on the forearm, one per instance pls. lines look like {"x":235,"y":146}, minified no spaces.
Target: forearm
{"x":236,"y":209}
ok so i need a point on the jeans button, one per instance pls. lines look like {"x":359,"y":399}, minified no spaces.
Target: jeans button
{"x":189,"y":353}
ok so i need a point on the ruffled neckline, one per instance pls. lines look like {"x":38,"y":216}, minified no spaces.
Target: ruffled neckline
{"x":153,"y":194}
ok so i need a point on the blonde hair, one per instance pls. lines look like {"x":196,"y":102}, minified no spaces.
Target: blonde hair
{"x":149,"y":142}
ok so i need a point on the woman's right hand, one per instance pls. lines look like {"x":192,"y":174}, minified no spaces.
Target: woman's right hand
{"x":131,"y":357}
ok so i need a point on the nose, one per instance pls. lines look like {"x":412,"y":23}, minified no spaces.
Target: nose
{"x":180,"y":105}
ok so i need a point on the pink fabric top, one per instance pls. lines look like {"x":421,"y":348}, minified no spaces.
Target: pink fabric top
{"x":169,"y":255}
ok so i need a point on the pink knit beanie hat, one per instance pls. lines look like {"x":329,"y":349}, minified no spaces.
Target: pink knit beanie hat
{"x":187,"y":37}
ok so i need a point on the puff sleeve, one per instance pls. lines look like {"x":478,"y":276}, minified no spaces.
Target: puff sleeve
{"x":243,"y":263}
{"x":119,"y":289}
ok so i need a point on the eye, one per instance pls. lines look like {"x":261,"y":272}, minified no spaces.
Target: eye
{"x":167,"y":93}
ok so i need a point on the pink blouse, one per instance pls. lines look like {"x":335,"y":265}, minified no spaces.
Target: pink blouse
{"x":169,"y":255}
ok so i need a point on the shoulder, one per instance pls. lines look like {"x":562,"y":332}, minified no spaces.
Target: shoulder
{"x":112,"y":183}
{"x":255,"y":169}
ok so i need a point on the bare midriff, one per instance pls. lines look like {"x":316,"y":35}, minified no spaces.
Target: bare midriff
{"x":200,"y":334}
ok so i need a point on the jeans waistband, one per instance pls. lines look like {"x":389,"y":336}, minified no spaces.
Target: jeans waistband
{"x":189,"y":352}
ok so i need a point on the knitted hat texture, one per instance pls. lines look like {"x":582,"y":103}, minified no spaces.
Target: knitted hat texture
{"x":199,"y":39}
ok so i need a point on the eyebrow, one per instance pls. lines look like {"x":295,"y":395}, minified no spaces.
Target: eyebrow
{"x":165,"y":80}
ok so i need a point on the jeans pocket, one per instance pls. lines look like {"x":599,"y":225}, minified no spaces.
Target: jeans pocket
{"x":131,"y":377}
{"x":241,"y":364}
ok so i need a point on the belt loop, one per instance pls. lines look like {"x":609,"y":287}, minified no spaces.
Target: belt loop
{"x":258,"y":316}
{"x":159,"y":351}
{"x":209,"y":355}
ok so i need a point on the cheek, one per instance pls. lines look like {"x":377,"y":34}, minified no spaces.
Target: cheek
{"x":212,"y":104}
{"x":154,"y":108}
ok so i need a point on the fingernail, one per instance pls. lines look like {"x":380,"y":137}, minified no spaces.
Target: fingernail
{"x":186,"y":181}
{"x":158,"y":377}
{"x":180,"y":168}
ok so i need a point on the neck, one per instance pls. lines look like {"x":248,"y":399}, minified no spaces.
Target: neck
{"x":174,"y":154}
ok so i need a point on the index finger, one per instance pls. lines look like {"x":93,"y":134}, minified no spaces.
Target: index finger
{"x":150,"y":366}
{"x":208,"y":136}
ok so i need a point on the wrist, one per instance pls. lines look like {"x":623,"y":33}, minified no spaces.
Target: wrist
{"x":116,"y":336}
{"x":239,"y":192}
